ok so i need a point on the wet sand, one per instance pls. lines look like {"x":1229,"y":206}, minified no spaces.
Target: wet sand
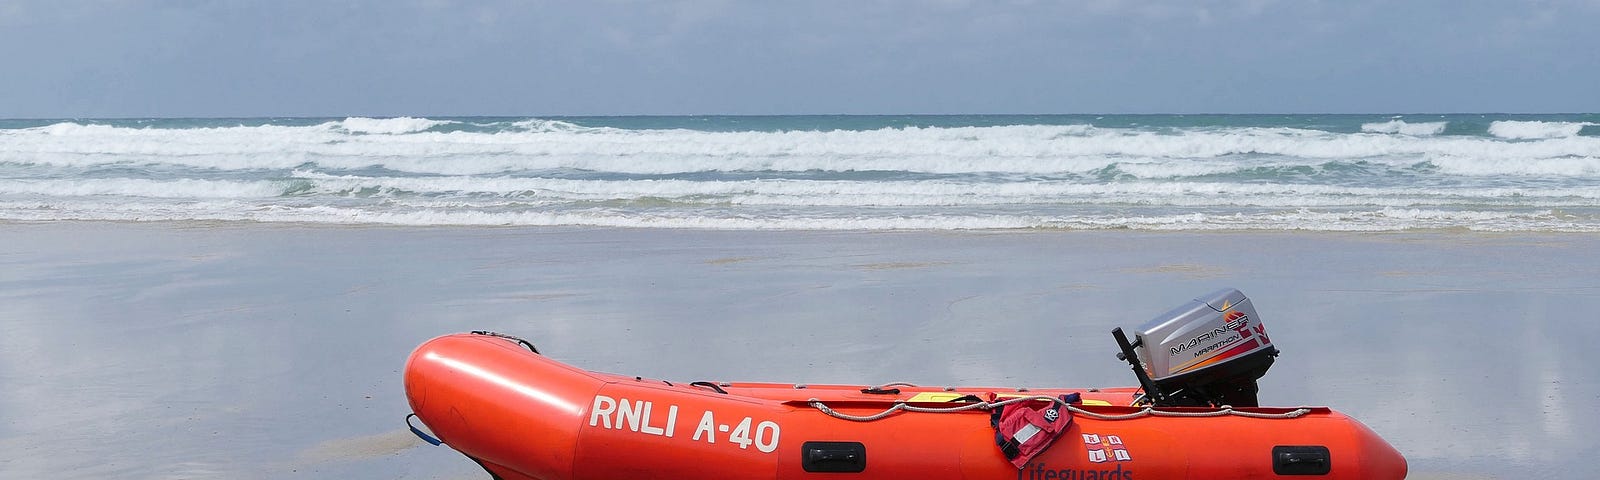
{"x":272,"y":351}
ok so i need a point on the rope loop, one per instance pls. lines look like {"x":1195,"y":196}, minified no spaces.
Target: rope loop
{"x":1146,"y":411}
{"x":519,"y":340}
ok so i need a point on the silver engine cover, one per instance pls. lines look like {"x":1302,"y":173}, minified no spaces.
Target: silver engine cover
{"x":1200,"y":335}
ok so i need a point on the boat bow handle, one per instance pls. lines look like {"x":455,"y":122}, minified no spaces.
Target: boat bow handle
{"x":420,"y":434}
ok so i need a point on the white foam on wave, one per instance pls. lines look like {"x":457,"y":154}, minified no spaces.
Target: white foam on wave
{"x":389,"y":126}
{"x":542,"y":125}
{"x":1381,"y":219}
{"x":63,"y":129}
{"x":1405,"y":128}
{"x":1025,"y":149}
{"x":660,"y":196}
{"x":137,"y":187}
{"x":406,"y":172}
{"x":1533,"y":130}
{"x":1559,"y":166}
{"x":839,"y":193}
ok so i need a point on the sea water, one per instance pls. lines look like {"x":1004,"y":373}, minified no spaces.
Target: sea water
{"x":1157,"y":172}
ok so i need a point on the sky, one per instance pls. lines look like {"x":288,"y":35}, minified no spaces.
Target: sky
{"x":254,"y":58}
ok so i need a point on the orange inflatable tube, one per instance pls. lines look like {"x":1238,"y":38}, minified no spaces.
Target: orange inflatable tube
{"x":524,"y":416}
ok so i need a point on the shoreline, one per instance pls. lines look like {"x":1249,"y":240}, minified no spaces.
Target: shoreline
{"x":245,"y":224}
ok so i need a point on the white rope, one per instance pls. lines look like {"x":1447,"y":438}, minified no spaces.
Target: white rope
{"x":1146,"y":411}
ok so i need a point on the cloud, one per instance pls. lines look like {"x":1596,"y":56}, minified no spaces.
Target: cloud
{"x":140,"y":57}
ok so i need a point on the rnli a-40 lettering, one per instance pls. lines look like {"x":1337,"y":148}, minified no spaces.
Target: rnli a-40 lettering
{"x":635,"y":416}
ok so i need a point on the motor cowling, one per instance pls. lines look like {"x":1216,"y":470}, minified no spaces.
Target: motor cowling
{"x":1208,"y":352}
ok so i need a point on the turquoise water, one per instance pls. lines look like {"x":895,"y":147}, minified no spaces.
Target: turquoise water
{"x":1159,"y":172}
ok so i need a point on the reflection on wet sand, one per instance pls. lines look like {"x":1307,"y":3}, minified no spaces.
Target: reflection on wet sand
{"x":138,"y":350}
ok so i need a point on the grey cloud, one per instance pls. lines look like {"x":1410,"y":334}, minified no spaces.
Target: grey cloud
{"x":442,"y":57}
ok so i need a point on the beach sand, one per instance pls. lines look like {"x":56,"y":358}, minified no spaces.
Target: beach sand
{"x":196,"y":350}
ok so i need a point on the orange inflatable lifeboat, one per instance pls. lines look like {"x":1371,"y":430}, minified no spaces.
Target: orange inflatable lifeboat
{"x":523,"y":416}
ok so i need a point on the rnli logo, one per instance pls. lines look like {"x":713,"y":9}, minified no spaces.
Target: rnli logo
{"x":1236,"y":320}
{"x":1105,"y":448}
{"x":1051,"y":415}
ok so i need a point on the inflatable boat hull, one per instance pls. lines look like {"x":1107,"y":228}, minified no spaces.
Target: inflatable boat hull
{"x":524,"y":416}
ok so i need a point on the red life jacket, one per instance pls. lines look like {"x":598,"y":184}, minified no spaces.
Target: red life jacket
{"x":1022,"y":430}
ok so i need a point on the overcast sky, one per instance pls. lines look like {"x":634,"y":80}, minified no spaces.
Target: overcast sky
{"x":175,"y":58}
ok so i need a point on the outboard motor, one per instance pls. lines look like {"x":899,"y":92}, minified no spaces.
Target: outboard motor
{"x":1208,"y":352}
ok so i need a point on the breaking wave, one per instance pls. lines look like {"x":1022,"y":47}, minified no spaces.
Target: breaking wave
{"x":1371,"y":174}
{"x":1027,"y":149}
{"x":388,"y":126}
{"x":1404,"y":128}
{"x":1530,"y":130}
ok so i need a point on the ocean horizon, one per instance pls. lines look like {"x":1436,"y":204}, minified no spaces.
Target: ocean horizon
{"x":1176,"y":172}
